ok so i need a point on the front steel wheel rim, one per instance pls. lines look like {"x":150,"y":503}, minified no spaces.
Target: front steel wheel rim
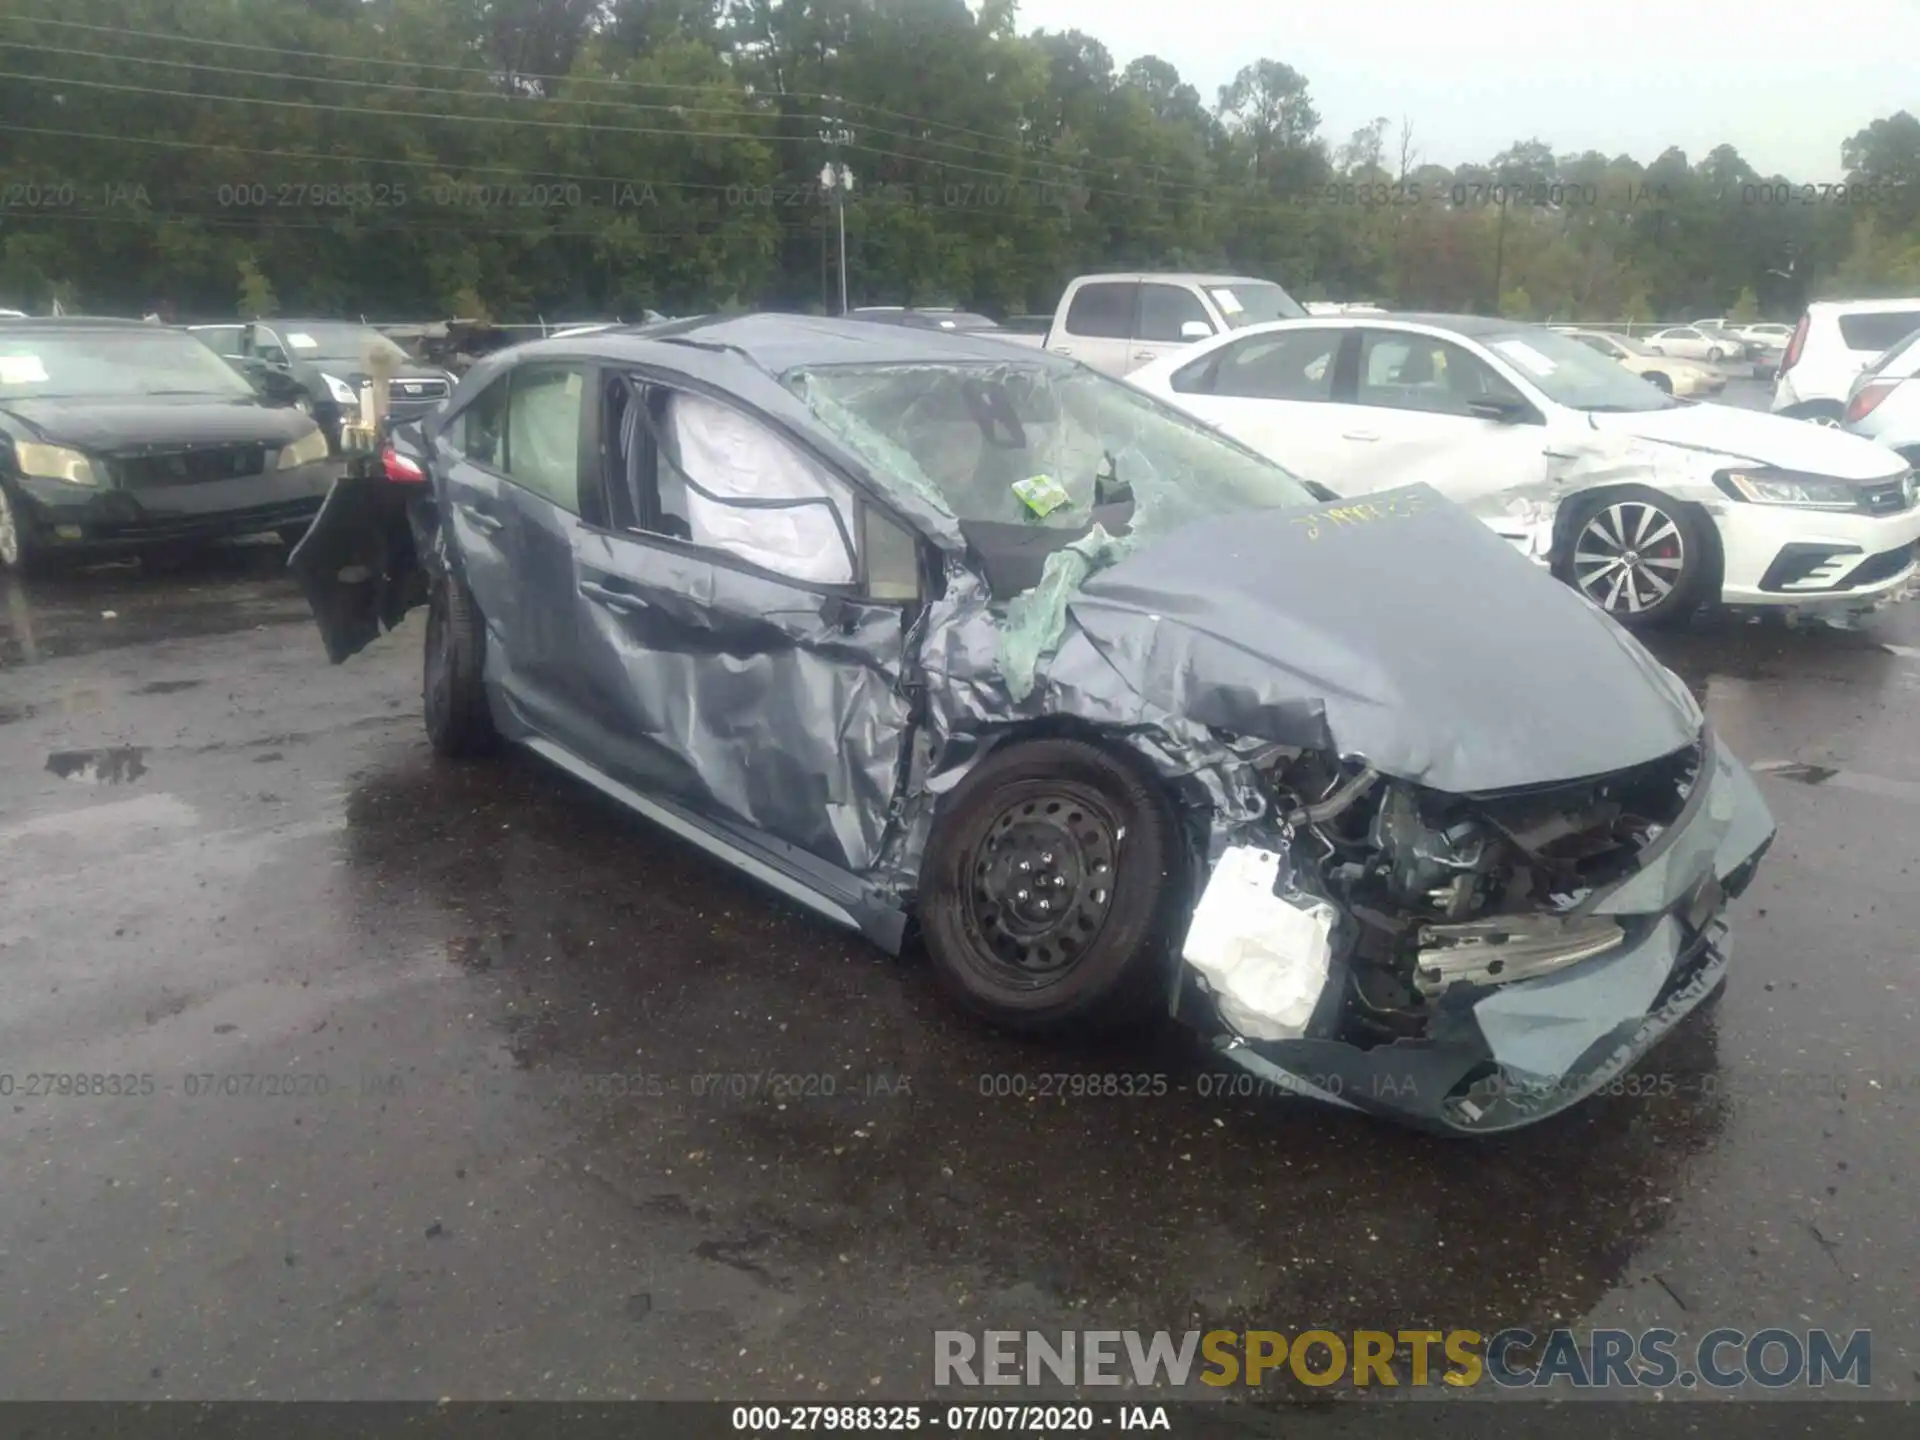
{"x":1629,"y":557}
{"x":9,"y":531}
{"x":1040,"y":883}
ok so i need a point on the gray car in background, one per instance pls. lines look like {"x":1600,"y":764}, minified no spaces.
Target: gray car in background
{"x":1883,"y":403}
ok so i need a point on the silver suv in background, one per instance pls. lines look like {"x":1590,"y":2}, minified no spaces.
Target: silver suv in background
{"x":1834,"y":341}
{"x":1884,"y":402}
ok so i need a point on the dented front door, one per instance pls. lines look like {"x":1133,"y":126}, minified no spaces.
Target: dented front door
{"x":748,"y":698}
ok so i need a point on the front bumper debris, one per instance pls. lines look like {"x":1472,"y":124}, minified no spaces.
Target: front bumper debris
{"x":1600,"y":987}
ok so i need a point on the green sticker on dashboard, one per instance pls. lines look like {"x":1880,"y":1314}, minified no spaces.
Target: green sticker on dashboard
{"x":1042,"y":494}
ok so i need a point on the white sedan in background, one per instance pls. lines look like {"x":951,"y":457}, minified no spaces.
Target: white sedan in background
{"x":1647,"y":504}
{"x":1690,"y":342}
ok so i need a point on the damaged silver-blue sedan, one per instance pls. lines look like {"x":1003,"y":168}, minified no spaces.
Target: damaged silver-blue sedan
{"x":921,"y":627}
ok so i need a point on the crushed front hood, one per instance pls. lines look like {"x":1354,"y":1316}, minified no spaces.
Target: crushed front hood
{"x":1396,"y":627}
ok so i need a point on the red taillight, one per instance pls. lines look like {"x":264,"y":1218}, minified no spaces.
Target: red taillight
{"x":1870,"y":395}
{"x":1794,"y":346}
{"x":399,"y":468}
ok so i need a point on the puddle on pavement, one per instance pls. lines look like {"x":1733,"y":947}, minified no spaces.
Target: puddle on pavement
{"x":1838,"y":779}
{"x":1805,"y":774}
{"x":114,"y":766}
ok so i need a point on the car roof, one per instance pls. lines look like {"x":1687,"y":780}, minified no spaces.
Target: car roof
{"x":1197,"y":277}
{"x":80,"y":322}
{"x":1854,"y":307}
{"x":745,"y":357}
{"x":776,"y":343}
{"x":1458,"y":324}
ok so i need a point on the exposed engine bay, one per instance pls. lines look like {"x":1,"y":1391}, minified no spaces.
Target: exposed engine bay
{"x":1437,"y":891}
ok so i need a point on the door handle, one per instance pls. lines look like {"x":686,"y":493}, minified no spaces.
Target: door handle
{"x":1061,"y":349}
{"x":1359,"y":435}
{"x":613,"y":599}
{"x":481,"y":520}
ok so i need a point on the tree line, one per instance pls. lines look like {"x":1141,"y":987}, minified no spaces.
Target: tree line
{"x":581,"y":158}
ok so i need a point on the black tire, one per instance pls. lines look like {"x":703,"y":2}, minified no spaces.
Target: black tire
{"x":453,"y":696}
{"x":1101,"y":830}
{"x":1716,"y":354}
{"x":20,"y":552}
{"x":1659,"y":381}
{"x":1666,"y":543}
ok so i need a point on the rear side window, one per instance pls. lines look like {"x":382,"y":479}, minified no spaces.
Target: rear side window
{"x":1165,"y":308}
{"x":543,"y":432}
{"x":1103,"y":311}
{"x":1296,"y":365}
{"x":1877,"y":330}
{"x":1901,"y":361}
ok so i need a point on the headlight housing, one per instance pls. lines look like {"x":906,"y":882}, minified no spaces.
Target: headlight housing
{"x":56,"y":462}
{"x":342,"y":392}
{"x":1783,"y":487}
{"x":308,"y":449}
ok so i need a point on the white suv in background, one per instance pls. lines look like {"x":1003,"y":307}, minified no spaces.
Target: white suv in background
{"x":1834,"y":341}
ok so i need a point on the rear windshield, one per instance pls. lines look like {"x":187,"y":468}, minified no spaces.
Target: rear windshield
{"x":1877,"y":330}
{"x":1902,"y":360}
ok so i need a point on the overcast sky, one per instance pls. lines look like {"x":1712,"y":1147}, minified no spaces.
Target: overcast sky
{"x":1784,"y":83}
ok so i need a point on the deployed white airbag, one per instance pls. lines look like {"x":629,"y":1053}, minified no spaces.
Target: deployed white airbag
{"x":1264,"y":956}
{"x":735,"y":457}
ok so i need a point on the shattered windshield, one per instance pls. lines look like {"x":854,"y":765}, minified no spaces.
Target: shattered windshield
{"x":1029,"y":457}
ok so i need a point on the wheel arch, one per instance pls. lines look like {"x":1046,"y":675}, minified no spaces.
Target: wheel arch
{"x":1567,"y":518}
{"x":1186,"y":799}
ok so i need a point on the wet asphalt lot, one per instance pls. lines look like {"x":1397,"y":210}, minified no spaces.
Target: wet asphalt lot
{"x":433,"y":1053}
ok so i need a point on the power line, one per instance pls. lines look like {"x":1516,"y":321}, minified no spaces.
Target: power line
{"x":748,"y":190}
{"x":453,"y":167}
{"x":375,"y":84}
{"x":255,"y":223}
{"x":277,"y":51}
{"x":683,"y":132}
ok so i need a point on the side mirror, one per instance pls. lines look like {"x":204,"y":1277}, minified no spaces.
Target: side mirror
{"x":1502,"y":412}
{"x":1195,"y":330}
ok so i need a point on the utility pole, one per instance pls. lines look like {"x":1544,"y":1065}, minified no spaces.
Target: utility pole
{"x":1499,"y":249}
{"x":837,"y":178}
